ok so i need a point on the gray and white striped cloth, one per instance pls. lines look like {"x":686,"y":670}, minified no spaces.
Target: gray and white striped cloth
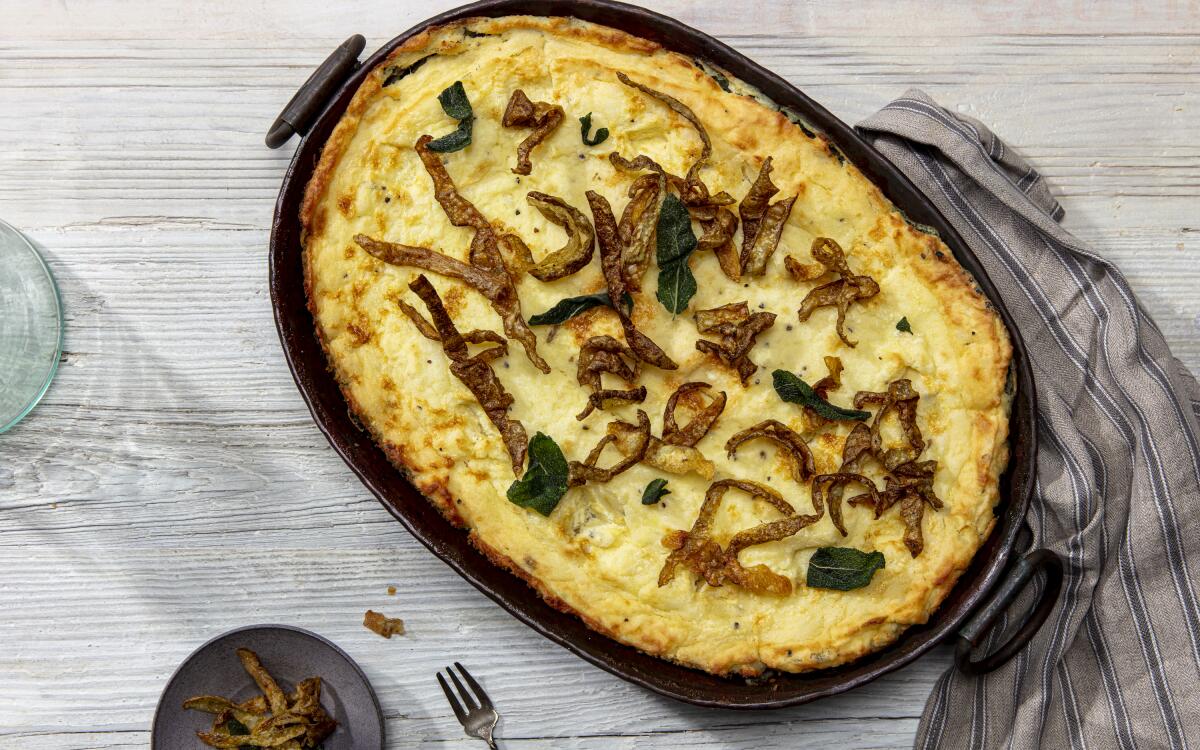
{"x":1117,"y":664}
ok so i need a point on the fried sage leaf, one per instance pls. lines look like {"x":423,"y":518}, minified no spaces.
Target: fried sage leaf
{"x":654,"y":491}
{"x":544,"y":118}
{"x":903,"y":326}
{"x":610,"y":262}
{"x":475,"y":373}
{"x":738,"y":329}
{"x":545,"y":481}
{"x":581,"y":238}
{"x":455,"y":104}
{"x":841,"y":293}
{"x":587,"y":471}
{"x":585,"y":126}
{"x":676,"y":241}
{"x":699,"y":553}
{"x":843,"y":568}
{"x":762,"y":222}
{"x":803,"y":466}
{"x":568,"y":308}
{"x":794,"y":390}
{"x":701,"y":423}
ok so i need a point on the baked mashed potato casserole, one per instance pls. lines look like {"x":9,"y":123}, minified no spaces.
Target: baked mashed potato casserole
{"x":659,"y":346}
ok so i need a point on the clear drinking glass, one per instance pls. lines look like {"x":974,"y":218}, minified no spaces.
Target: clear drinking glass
{"x":31,"y":326}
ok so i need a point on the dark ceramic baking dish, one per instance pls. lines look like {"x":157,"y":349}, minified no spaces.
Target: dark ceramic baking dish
{"x":988,"y":586}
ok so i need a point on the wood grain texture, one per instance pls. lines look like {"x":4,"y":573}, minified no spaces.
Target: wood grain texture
{"x":172,"y":485}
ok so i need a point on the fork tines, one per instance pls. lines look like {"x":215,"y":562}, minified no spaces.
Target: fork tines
{"x":475,"y":711}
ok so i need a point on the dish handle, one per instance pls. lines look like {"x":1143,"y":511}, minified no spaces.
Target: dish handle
{"x":970,"y":635}
{"x":308,"y":101}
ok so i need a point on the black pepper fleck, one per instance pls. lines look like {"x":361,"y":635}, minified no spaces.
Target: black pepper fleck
{"x":788,"y":327}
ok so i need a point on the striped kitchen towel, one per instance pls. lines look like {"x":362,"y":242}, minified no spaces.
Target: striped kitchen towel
{"x":1117,"y":664}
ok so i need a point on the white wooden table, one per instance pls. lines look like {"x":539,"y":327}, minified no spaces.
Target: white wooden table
{"x":172,"y":486}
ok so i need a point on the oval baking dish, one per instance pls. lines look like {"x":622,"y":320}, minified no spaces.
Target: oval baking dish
{"x":316,"y":109}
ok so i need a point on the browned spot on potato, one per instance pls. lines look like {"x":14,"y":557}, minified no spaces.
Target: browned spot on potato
{"x":359,"y":334}
{"x":387,"y":383}
{"x":345,"y":204}
{"x":349,"y":252}
{"x":530,"y":562}
{"x":454,"y":300}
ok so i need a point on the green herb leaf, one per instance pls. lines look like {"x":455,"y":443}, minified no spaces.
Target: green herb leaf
{"x":655,"y":491}
{"x":721,"y":80}
{"x":455,"y":104}
{"x":236,"y":728}
{"x":396,"y":74}
{"x":585,"y":125}
{"x":545,"y":481}
{"x":795,"y":391}
{"x":676,"y":241}
{"x":569,"y":308}
{"x":842,"y":568}
{"x":904,"y":326}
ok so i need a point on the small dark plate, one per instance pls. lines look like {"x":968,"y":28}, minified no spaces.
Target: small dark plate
{"x":290,"y":655}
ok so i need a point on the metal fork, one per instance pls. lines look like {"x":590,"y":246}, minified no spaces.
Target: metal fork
{"x":478,"y":720}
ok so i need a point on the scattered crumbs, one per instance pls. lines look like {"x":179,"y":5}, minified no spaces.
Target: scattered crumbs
{"x":385,"y":626}
{"x":391,"y":590}
{"x":53,"y":506}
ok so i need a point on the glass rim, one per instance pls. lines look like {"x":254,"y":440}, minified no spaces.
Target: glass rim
{"x":58,"y":312}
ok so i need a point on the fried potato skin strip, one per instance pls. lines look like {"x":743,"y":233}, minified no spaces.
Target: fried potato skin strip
{"x":587,"y":471}
{"x":668,"y":457}
{"x":543,"y":117}
{"x":484,"y":255}
{"x":841,"y":293}
{"x":476,"y":374}
{"x":701,"y":423}
{"x":699,"y":553}
{"x":803,"y":467}
{"x":610,"y":261}
{"x":581,"y":238}
{"x":266,"y":683}
{"x":739,"y":330}
{"x":762,"y":221}
{"x":686,"y":113}
{"x":601,"y":354}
